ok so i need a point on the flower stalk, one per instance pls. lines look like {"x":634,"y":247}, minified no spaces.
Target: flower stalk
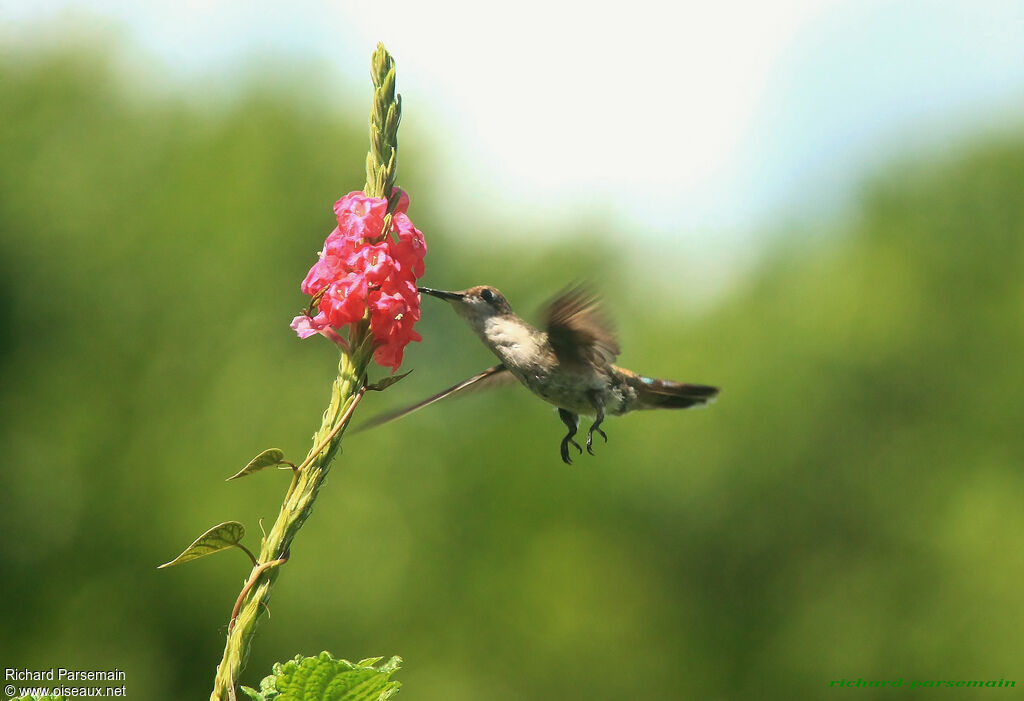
{"x":347,"y":390}
{"x":382,"y":159}
{"x":368,"y":332}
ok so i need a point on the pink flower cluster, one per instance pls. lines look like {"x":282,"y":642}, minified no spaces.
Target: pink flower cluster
{"x":362,"y":268}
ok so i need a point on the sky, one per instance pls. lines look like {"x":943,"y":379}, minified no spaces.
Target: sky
{"x":695,"y":126}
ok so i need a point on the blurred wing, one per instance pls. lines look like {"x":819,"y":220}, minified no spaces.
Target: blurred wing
{"x":491,"y":377}
{"x":579,"y":329}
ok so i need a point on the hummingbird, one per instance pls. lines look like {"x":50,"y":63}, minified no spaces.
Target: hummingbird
{"x":569,"y":363}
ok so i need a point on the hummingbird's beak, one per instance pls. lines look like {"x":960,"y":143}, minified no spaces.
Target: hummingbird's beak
{"x":440,"y":294}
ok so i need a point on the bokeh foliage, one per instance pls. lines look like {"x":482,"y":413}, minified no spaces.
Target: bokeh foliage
{"x":851,"y":507}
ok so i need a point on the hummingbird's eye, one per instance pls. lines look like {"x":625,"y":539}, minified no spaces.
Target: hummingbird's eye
{"x":487,"y":295}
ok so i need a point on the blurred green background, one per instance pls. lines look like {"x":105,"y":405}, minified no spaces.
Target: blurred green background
{"x":851,"y":507}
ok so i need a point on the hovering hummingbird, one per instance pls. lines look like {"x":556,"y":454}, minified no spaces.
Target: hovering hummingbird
{"x":568,"y":364}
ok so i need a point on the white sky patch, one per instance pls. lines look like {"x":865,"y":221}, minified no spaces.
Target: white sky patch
{"x":639,"y":109}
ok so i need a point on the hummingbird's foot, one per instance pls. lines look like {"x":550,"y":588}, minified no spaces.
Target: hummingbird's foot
{"x":565,"y":449}
{"x":590,"y":437}
{"x":572,"y":422}
{"x":595,"y":399}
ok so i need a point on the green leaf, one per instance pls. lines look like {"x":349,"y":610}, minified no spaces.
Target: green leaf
{"x":323,"y":678}
{"x":221,"y":536}
{"x":270,"y":456}
{"x":385,"y":382}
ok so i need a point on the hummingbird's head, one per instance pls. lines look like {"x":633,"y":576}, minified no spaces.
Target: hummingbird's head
{"x":476,"y":305}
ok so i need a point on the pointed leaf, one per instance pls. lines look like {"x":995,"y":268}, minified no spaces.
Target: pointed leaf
{"x":385,"y":382}
{"x":220,"y":537}
{"x":270,"y":456}
{"x":323,"y":678}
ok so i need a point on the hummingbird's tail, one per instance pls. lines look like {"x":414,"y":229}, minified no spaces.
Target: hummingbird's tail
{"x":666,"y":394}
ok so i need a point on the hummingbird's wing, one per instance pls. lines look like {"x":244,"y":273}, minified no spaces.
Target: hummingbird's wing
{"x":579,"y":330}
{"x":491,"y":377}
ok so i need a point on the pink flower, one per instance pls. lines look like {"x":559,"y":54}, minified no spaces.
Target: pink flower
{"x":306,"y":326}
{"x":344,"y":301}
{"x":360,"y":216}
{"x":411,"y":247}
{"x":365,"y":272}
{"x":374,"y":262}
{"x":393,"y":312}
{"x":330,"y":267}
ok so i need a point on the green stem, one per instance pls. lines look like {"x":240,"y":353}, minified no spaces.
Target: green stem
{"x":348,"y":389}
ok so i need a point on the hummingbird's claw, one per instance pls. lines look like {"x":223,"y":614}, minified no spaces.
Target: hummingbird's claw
{"x":565,"y":449}
{"x":595,"y":398}
{"x":590,"y":437}
{"x":571,"y":421}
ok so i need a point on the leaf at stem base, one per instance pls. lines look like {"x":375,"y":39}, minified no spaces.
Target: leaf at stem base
{"x":323,"y":678}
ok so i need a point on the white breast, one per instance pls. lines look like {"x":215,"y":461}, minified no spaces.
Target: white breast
{"x":514,"y":341}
